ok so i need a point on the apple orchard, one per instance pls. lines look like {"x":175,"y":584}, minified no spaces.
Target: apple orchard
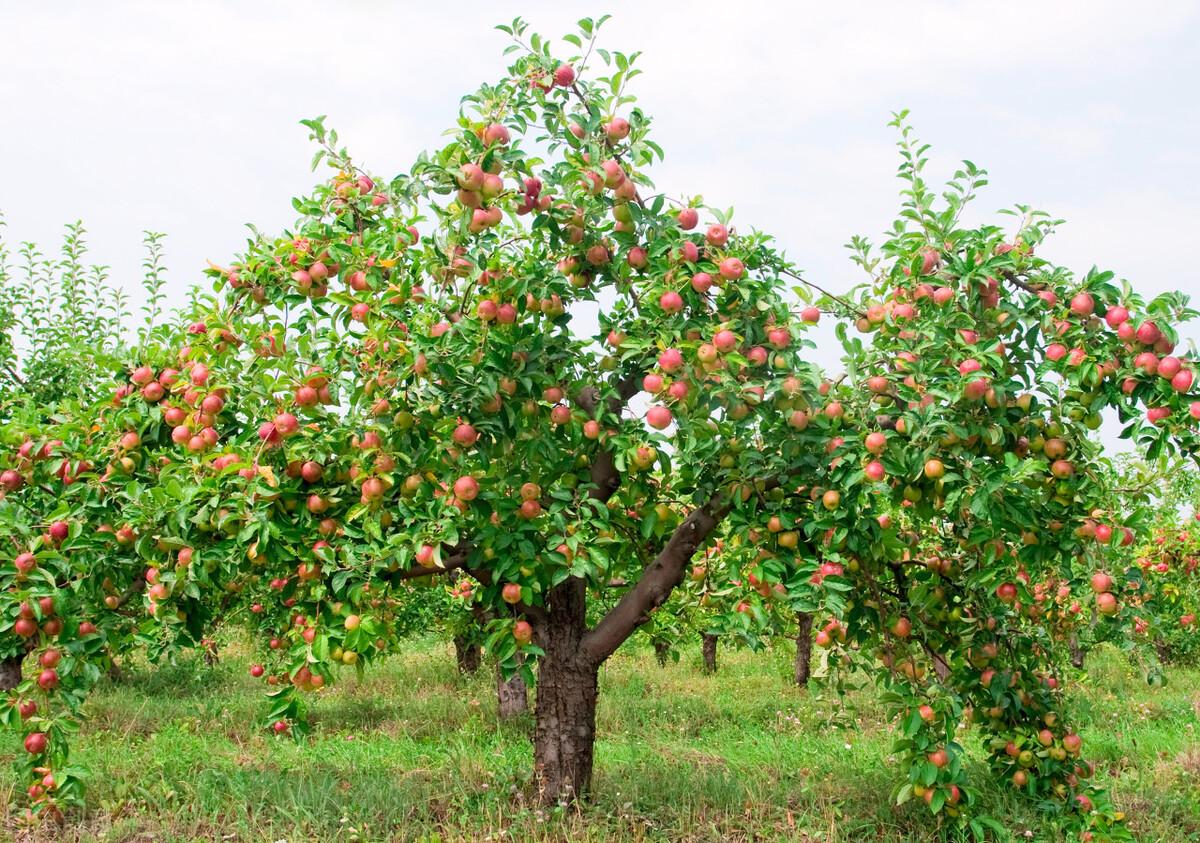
{"x":402,"y":387}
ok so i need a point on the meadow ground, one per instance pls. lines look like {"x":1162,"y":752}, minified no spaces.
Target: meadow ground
{"x":414,"y":752}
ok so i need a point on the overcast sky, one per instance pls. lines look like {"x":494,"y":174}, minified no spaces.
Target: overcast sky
{"x":182,"y":117}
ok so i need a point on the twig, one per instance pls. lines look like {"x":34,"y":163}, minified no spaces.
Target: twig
{"x":842,"y":301}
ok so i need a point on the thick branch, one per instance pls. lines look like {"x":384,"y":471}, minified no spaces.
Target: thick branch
{"x":655,"y":584}
{"x":451,"y":563}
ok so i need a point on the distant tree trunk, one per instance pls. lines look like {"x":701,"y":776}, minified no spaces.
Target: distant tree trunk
{"x":661,"y":651}
{"x":708,"y":649}
{"x":467,"y":654}
{"x":10,"y":672}
{"x":1078,"y":654}
{"x":1163,"y":649}
{"x":803,"y":669}
{"x":211,"y":656}
{"x":512,"y":697}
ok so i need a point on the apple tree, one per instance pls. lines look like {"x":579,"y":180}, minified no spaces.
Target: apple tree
{"x":503,"y":363}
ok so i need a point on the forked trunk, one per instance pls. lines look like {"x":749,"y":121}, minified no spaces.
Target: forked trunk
{"x":662,"y":650}
{"x":512,"y":698}
{"x":10,"y":671}
{"x":565,"y":733}
{"x":466,"y":654}
{"x":709,"y":650}
{"x":803,"y":648}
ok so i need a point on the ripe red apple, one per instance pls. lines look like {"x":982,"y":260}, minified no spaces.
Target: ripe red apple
{"x":1106,"y":604}
{"x":731,"y":269}
{"x":36,"y":743}
{"x":688,"y":218}
{"x":617,"y":129}
{"x":523,"y":632}
{"x":466,"y":488}
{"x":671,"y":302}
{"x":496,"y":134}
{"x":1148,"y":333}
{"x":25,"y":563}
{"x":1082,"y":304}
{"x":564,"y":75}
{"x":1116,"y":316}
{"x":659,"y":417}
{"x":670,"y":360}
{"x":511,"y":593}
{"x":1101,"y":582}
{"x":286,"y":424}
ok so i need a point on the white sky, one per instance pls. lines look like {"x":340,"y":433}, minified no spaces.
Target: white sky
{"x":182,"y":117}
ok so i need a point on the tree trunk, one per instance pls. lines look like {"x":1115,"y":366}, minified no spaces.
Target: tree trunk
{"x":1077,"y":653}
{"x":709,"y":650}
{"x":212,"y":656}
{"x":512,"y":698}
{"x":568,"y":686}
{"x":803,"y":648}
{"x":662,"y":650}
{"x":10,"y":671}
{"x":467,"y":654}
{"x":1163,"y":650}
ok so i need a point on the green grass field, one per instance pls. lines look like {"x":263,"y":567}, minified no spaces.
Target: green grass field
{"x":414,"y":752}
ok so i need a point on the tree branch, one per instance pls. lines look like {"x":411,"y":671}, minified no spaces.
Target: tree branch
{"x":656,"y":582}
{"x":846,"y":303}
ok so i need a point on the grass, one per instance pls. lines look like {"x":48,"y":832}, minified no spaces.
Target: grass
{"x":414,"y":752}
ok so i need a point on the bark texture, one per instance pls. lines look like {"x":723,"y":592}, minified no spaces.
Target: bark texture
{"x":466,"y":654}
{"x":512,"y":697}
{"x":10,"y":672}
{"x":568,"y":685}
{"x":803,"y":669}
{"x":708,"y":650}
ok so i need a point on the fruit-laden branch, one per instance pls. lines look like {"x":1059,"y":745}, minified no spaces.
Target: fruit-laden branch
{"x":656,"y":583}
{"x":849,"y":305}
{"x":451,"y":563}
{"x":1012,"y":278}
{"x":457,"y":561}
